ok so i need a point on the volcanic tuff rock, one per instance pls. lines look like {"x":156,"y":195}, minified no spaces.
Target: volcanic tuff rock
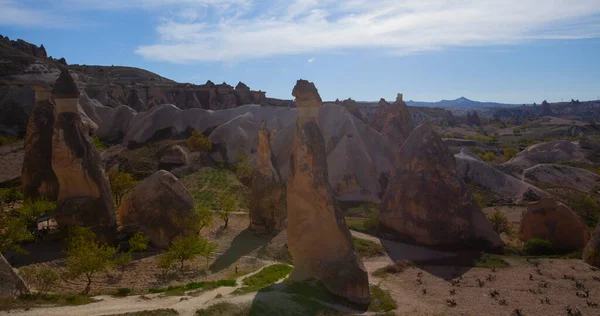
{"x":554,"y":221}
{"x":158,"y":206}
{"x":550,"y":152}
{"x":563,"y":176}
{"x":591,"y":253}
{"x":175,"y":157}
{"x":268,"y":201}
{"x":319,"y":241}
{"x":134,"y":101}
{"x":37,"y":177}
{"x":11,"y":285}
{"x":116,"y":125}
{"x":26,"y":47}
{"x":398,"y":124}
{"x":84,"y":194}
{"x":428,"y":203}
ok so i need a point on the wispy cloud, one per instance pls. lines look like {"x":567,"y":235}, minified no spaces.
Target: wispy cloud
{"x":16,"y":14}
{"x":310,"y":60}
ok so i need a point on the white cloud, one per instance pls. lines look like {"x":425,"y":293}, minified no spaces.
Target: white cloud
{"x":310,"y":60}
{"x":13,"y":13}
{"x":399,"y":27}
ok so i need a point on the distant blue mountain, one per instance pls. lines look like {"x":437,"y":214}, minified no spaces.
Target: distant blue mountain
{"x":461,"y":102}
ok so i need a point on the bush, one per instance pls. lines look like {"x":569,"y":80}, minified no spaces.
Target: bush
{"x":448,"y":135}
{"x":243,"y":169}
{"x":198,"y":142}
{"x":123,"y":260}
{"x":538,"y":247}
{"x":34,"y":209}
{"x":489,"y":156}
{"x":586,"y":207}
{"x":98,"y":144}
{"x":43,"y":279}
{"x":11,"y":196}
{"x":499,"y":222}
{"x":510,"y":152}
{"x":138,"y":243}
{"x":123,"y":291}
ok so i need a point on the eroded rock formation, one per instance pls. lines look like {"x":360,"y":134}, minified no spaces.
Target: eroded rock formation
{"x":37,"y":177}
{"x":591,"y":253}
{"x":158,"y":206}
{"x":556,"y":222}
{"x":84,"y":194}
{"x":175,"y":157}
{"x":319,"y":241}
{"x":268,"y":203}
{"x":135,"y":102}
{"x":428,"y":203}
{"x":11,"y":285}
{"x":398,"y":124}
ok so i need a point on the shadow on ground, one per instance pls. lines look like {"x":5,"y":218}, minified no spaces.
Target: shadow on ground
{"x":243,"y":244}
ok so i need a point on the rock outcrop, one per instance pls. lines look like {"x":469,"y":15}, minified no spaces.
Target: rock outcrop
{"x":115,"y":127}
{"x":563,"y":176}
{"x":428,"y":203}
{"x":158,"y":206}
{"x":26,"y":47}
{"x":556,"y":222}
{"x":268,"y":202}
{"x":550,"y":152}
{"x":37,"y":177}
{"x":591,"y":253}
{"x":545,"y":109}
{"x":11,"y":285}
{"x":84,"y":194}
{"x":380,"y":115}
{"x":175,"y":157}
{"x":135,"y":102}
{"x":319,"y":241}
{"x":398,"y":124}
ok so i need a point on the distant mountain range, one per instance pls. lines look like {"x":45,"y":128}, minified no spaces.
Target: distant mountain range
{"x":461,"y":102}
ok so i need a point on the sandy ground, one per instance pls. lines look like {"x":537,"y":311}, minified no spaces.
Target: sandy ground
{"x":11,"y":160}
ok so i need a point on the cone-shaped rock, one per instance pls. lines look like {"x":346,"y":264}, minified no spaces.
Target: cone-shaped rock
{"x":398,"y":124}
{"x":268,"y":203}
{"x":428,"y":203}
{"x":11,"y":285}
{"x":158,"y":206}
{"x":135,"y":102}
{"x":37,"y":177}
{"x":591,"y":253}
{"x":551,"y":220}
{"x":84,"y":194}
{"x":318,"y":238}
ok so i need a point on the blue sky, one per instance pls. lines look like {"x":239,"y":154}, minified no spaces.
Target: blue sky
{"x":513,"y":51}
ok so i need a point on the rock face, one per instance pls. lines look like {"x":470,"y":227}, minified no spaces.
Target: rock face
{"x":563,"y":176}
{"x":428,"y":203}
{"x":37,"y":177}
{"x":268,"y":202}
{"x":84,"y":194}
{"x":380,"y":115}
{"x":319,"y":241}
{"x":11,"y":285}
{"x":157,"y":206}
{"x":591,"y":253}
{"x":134,"y":101}
{"x":554,"y":221}
{"x":116,"y":126}
{"x":16,"y":104}
{"x":550,"y":152}
{"x":175,"y":157}
{"x":398,"y":124}
{"x":26,"y":47}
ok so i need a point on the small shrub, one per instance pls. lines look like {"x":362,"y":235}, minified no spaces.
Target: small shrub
{"x":243,"y":168}
{"x":11,"y":196}
{"x":43,"y":279}
{"x":123,"y":291}
{"x":489,"y":156}
{"x":381,"y":301}
{"x":98,"y":144}
{"x":538,"y":247}
{"x":198,"y":142}
{"x":448,"y":135}
{"x":138,"y":243}
{"x":499,"y":222}
{"x":509,"y":153}
{"x":586,"y":207}
{"x":123,"y":260}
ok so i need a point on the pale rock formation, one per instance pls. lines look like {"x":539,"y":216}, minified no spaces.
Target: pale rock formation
{"x":37,"y":177}
{"x":319,"y":241}
{"x":556,"y":222}
{"x":550,"y":152}
{"x":84,"y":194}
{"x":11,"y":285}
{"x":158,"y":206}
{"x":116,"y":126}
{"x":268,"y":202}
{"x":428,"y":203}
{"x":591,"y":253}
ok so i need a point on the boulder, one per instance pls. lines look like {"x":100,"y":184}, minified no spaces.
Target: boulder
{"x":268,"y":202}
{"x":11,"y":285}
{"x":318,"y":239}
{"x":591,"y":253}
{"x":158,"y":207}
{"x":428,"y":203}
{"x":78,"y":167}
{"x":114,"y":128}
{"x":398,"y":124}
{"x":37,"y":177}
{"x":556,"y":222}
{"x":174,"y":157}
{"x":471,"y":168}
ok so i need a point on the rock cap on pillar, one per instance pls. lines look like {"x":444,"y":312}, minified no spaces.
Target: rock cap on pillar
{"x":308,"y":100}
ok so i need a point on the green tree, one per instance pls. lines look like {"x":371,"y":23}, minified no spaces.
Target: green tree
{"x":228,"y":205}
{"x":121,"y":183}
{"x":138,"y":243}
{"x":448,"y":135}
{"x":243,"y":168}
{"x":198,"y":142}
{"x":499,"y":222}
{"x":185,"y":249}
{"x":85,"y":256}
{"x":489,"y":156}
{"x":586,"y":207}
{"x":13,"y":231}
{"x":509,"y":153}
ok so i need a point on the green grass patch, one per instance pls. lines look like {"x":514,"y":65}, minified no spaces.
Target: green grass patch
{"x":367,"y":248}
{"x":491,"y":261}
{"x":264,"y":278}
{"x":181,"y":289}
{"x":221,"y":309}
{"x":37,"y":299}
{"x":156,"y":312}
{"x":381,"y":300}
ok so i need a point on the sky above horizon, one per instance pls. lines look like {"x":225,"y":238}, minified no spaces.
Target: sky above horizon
{"x":509,"y":51}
